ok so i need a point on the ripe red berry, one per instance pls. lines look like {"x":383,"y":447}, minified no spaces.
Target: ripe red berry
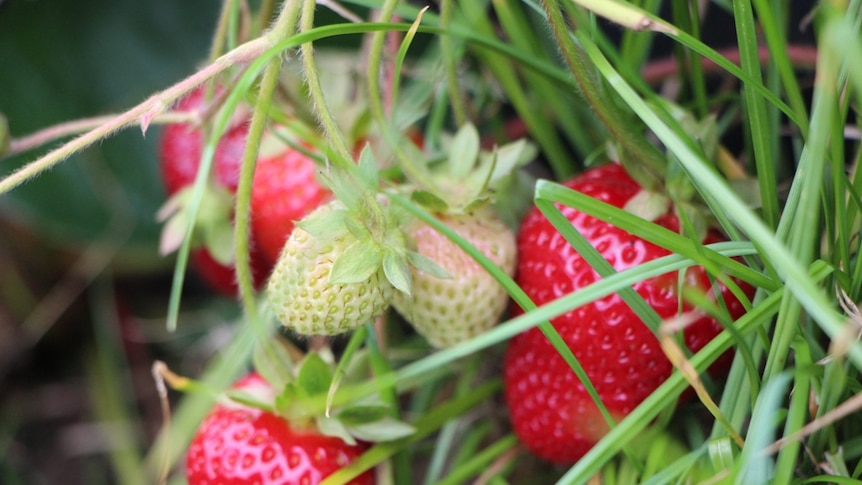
{"x":284,"y":191}
{"x":241,"y":445}
{"x":222,"y":278}
{"x":549,"y":407}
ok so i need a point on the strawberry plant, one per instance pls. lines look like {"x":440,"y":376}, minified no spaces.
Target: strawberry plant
{"x":475,"y":242}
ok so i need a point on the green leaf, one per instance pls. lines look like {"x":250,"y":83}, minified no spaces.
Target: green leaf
{"x":335,"y":428}
{"x":386,"y":429}
{"x":285,"y":401}
{"x":397,"y":272}
{"x":363,"y":414}
{"x":511,"y":156}
{"x":429,"y":201}
{"x":324,"y":223}
{"x":427,"y":265}
{"x":315,"y":375}
{"x":463,"y":151}
{"x":357,"y":262}
{"x":368,"y":167}
{"x":218,"y":239}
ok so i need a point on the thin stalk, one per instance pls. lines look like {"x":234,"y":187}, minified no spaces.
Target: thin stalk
{"x":284,"y":27}
{"x":450,"y":62}
{"x":330,"y":127}
{"x":632,"y":140}
{"x":142,"y":114}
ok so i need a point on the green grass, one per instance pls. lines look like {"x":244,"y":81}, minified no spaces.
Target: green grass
{"x":580,"y":96}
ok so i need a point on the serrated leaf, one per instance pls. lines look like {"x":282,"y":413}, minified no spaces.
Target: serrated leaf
{"x":397,"y":272}
{"x":315,"y":375}
{"x":357,"y":262}
{"x":429,"y":201}
{"x":368,"y":167}
{"x":464,"y":151}
{"x":387,"y":429}
{"x":427,"y":265}
{"x":335,"y":428}
{"x":356,"y":415}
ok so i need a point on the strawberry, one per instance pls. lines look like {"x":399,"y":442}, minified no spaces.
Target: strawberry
{"x":458,"y":299}
{"x":181,"y":147}
{"x":222,"y":278}
{"x":549,"y":408}
{"x":447,"y":311}
{"x":284,"y":191}
{"x":238,"y":444}
{"x":305,"y":295}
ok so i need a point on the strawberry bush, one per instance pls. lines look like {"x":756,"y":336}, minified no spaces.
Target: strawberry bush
{"x":378,"y":241}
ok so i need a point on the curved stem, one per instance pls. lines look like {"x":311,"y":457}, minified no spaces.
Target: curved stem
{"x":591,"y":88}
{"x":327,"y":121}
{"x":284,"y":27}
{"x":142,"y":114}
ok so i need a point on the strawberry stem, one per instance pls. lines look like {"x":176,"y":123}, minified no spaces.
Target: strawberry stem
{"x":593,"y":91}
{"x":285,"y":26}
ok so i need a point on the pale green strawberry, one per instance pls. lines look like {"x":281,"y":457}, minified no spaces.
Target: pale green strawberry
{"x":447,"y":311}
{"x":330,"y":281}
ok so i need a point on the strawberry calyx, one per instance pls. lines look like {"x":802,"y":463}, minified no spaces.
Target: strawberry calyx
{"x":212,"y":225}
{"x":470,"y":177}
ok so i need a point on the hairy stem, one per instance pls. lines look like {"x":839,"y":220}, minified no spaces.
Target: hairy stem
{"x":142,"y":114}
{"x":284,"y":27}
{"x":591,"y":88}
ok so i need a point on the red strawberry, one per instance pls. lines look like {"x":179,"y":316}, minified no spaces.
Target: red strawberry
{"x":222,"y":278}
{"x":549,"y":408}
{"x":284,"y":191}
{"x":237,"y":445}
{"x":181,"y":147}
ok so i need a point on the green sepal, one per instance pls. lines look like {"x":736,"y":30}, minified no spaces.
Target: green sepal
{"x":315,"y":375}
{"x":463,"y":151}
{"x":427,"y":265}
{"x":324,"y":224}
{"x":429,"y":201}
{"x":248,"y":399}
{"x":363,"y":414}
{"x":286,"y":401}
{"x":386,"y":429}
{"x":357,"y":263}
{"x":368,"y":167}
{"x":218,"y":239}
{"x":397,"y":272}
{"x":328,"y":426}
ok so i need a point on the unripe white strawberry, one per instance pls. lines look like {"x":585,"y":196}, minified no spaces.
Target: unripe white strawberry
{"x":308,"y":297}
{"x":447,"y":311}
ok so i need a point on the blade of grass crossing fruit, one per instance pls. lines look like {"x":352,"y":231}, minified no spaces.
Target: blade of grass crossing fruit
{"x":668,"y":392}
{"x":795,"y":277}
